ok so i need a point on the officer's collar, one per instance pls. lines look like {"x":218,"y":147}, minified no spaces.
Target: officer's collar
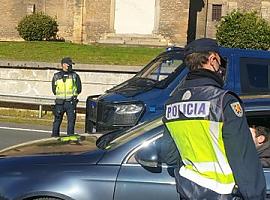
{"x":65,"y":73}
{"x":204,"y":77}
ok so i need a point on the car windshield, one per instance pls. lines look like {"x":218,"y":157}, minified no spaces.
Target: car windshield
{"x":126,"y":136}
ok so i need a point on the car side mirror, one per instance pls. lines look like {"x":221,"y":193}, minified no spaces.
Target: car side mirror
{"x":148,"y":156}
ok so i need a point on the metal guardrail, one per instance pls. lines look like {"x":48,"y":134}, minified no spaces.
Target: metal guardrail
{"x":34,"y":100}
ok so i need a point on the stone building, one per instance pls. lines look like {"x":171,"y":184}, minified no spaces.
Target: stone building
{"x":152,"y":22}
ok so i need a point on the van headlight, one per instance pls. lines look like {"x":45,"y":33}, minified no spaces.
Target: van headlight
{"x":128,"y":109}
{"x":122,"y":114}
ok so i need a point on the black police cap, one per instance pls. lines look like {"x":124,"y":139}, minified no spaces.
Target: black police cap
{"x":201,"y":45}
{"x":67,"y":60}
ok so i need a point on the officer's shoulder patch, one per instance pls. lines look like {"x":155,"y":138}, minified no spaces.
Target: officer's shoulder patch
{"x":187,"y":95}
{"x":237,"y":109}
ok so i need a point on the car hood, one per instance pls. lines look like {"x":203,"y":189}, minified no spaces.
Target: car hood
{"x":50,"y":152}
{"x":52,"y":146}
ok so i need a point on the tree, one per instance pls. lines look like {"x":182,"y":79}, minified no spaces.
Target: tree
{"x":244,"y":30}
{"x":37,"y":27}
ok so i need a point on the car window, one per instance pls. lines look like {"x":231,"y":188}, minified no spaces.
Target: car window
{"x":151,"y":144}
{"x":259,"y":118}
{"x":255,"y":76}
{"x":131,"y":134}
{"x":259,"y":123}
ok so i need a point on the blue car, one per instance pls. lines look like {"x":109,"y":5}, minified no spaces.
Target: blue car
{"x":116,"y":166}
{"x":142,"y":97}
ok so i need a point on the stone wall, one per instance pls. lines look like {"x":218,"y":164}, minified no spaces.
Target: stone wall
{"x":37,"y":83}
{"x":96,"y":20}
{"x":265,"y":10}
{"x":201,"y":18}
{"x":14,"y":11}
{"x":211,"y":25}
{"x":262,"y":7}
{"x":63,"y":11}
{"x":174,"y":20}
{"x":10,"y":12}
{"x":86,"y":21}
{"x":29,"y":80}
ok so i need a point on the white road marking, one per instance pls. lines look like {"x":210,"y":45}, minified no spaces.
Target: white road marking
{"x":44,"y":131}
{"x":25,"y":129}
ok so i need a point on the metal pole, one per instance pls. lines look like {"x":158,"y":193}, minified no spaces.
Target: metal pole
{"x":40,"y":111}
{"x":206,"y":18}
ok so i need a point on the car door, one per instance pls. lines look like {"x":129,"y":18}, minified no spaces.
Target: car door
{"x":136,"y":182}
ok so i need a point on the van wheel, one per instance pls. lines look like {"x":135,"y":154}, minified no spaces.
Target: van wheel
{"x":47,"y":198}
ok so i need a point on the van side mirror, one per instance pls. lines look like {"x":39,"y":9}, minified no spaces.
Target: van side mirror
{"x":148,"y":156}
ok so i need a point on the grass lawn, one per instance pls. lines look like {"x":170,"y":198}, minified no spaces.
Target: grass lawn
{"x":88,"y":54}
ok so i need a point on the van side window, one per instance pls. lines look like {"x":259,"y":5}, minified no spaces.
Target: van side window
{"x":255,"y":76}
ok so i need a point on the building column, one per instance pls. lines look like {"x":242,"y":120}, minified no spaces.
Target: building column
{"x":78,"y":21}
{"x":157,"y":17}
{"x":112,"y":16}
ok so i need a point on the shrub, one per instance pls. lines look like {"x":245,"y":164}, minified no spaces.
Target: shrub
{"x":37,"y":27}
{"x":243,"y":30}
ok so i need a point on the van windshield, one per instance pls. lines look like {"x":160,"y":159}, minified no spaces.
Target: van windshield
{"x":157,"y":74}
{"x":162,"y":67}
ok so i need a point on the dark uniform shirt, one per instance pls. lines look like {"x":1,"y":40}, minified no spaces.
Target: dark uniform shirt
{"x":239,"y":146}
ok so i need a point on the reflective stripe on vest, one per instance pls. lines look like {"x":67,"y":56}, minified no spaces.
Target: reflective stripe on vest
{"x":195,"y":125}
{"x":67,"y":89}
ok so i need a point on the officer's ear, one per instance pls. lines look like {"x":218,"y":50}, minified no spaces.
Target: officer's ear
{"x":212,"y":58}
{"x":261,"y":139}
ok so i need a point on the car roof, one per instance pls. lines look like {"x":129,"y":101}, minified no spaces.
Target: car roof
{"x":245,"y":52}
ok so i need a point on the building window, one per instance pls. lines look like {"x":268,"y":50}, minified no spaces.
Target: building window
{"x":31,"y":8}
{"x":216,"y":12}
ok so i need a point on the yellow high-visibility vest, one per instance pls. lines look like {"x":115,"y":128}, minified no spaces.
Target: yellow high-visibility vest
{"x":194,"y":119}
{"x":66,"y":89}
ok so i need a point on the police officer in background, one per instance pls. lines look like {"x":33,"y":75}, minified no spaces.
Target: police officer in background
{"x":207,"y":134}
{"x":66,"y":86}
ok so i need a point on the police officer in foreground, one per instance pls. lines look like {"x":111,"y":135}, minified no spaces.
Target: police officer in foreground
{"x":207,"y":133}
{"x":66,"y":86}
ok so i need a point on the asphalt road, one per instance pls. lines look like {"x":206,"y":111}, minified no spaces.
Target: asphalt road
{"x":12,"y":134}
